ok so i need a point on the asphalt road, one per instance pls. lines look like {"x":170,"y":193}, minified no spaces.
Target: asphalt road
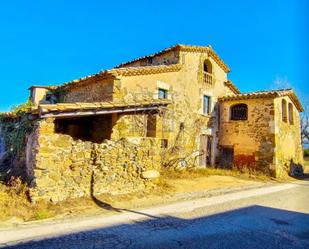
{"x":272,"y":220}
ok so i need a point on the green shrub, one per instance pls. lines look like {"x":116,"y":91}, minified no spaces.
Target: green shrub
{"x":306,"y":152}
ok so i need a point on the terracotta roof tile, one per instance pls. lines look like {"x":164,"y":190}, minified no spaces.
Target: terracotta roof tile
{"x":265,"y":94}
{"x":120,"y":70}
{"x":187,"y":48}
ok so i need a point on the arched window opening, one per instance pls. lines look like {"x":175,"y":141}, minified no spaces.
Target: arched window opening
{"x":207,"y":66}
{"x":291,"y":114}
{"x":239,"y":112}
{"x":284,"y":111}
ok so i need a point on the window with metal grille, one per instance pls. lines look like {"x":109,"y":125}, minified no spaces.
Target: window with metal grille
{"x":239,"y":112}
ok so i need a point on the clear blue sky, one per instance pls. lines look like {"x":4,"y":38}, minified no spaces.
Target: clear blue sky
{"x":50,"y":42}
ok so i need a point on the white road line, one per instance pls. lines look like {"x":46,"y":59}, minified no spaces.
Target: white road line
{"x":47,"y":230}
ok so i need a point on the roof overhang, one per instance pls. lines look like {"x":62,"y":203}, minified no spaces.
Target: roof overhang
{"x":185,"y":48}
{"x":266,"y":94}
{"x":232,"y":86}
{"x":69,"y":110}
{"x":42,"y":87}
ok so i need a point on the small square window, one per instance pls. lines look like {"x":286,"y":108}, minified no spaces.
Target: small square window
{"x":206,"y":104}
{"x":162,"y":93}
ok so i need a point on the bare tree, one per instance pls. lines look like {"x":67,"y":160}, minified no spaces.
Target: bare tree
{"x":305,"y":130}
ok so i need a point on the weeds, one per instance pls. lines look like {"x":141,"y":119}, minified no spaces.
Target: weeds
{"x":193,"y":173}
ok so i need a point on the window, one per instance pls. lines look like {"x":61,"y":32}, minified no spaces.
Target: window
{"x":162,"y":94}
{"x":291,"y":114}
{"x":206,"y":104}
{"x":284,"y":111}
{"x":239,"y":112}
{"x":207,"y":66}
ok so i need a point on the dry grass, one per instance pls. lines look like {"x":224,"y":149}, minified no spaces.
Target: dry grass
{"x":194,"y":173}
{"x":14,"y":203}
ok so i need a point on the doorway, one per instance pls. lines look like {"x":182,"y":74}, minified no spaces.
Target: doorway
{"x":227,"y":157}
{"x":205,"y":150}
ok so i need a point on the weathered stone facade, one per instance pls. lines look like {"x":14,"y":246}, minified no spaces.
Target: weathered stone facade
{"x":288,"y":148}
{"x":66,"y":168}
{"x":263,"y":141}
{"x":95,"y":140}
{"x":252,"y":140}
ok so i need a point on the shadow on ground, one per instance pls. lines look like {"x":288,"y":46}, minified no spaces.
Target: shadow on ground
{"x":109,"y":207}
{"x":250,"y":227}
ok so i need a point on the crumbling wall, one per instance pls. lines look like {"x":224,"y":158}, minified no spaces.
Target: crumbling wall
{"x":289,"y":153}
{"x":66,"y":168}
{"x":253,"y":140}
{"x":15,"y":129}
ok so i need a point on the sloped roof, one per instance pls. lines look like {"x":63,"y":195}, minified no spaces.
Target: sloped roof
{"x":266,"y":94}
{"x":186,"y":48}
{"x":97,"y":108}
{"x":232,"y":86}
{"x":120,"y":70}
{"x":127,"y":71}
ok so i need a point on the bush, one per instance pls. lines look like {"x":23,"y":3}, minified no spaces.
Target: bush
{"x":306,"y":152}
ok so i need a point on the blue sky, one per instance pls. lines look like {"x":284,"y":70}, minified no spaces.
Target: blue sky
{"x":50,"y":42}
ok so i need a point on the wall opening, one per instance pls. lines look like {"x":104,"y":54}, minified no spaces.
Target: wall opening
{"x":151,"y":125}
{"x":291,"y":114}
{"x":162,"y":93}
{"x":90,"y":128}
{"x":226,"y":157}
{"x":207,"y":66}
{"x":284,"y":111}
{"x":205,"y":150}
{"x":206,"y":104}
{"x":239,"y":112}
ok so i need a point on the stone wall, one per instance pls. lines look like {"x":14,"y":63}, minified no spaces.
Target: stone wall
{"x":92,"y":91}
{"x":66,"y":168}
{"x":253,"y":140}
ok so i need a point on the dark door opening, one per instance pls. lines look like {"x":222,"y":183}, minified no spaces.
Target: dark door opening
{"x":205,"y":150}
{"x":227,"y":157}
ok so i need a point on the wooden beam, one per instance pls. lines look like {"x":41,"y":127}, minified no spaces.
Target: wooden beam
{"x":80,"y":113}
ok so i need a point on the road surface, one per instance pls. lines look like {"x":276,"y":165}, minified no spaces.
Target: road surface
{"x":269,"y":217}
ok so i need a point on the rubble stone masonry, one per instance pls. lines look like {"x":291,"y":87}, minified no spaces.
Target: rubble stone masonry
{"x":66,"y":168}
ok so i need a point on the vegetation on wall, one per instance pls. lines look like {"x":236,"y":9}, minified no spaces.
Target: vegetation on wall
{"x":59,"y":94}
{"x":14,"y":127}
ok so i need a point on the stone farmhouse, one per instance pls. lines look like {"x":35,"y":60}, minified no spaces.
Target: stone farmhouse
{"x":113,"y":131}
